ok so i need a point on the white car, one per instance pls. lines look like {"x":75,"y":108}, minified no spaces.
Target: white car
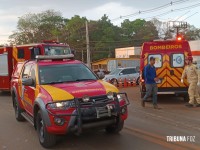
{"x":130,"y":73}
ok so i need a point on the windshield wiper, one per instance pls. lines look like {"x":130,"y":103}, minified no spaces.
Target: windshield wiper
{"x":84,"y":79}
{"x":54,"y":82}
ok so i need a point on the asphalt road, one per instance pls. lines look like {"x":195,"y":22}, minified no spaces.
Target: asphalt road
{"x":145,"y":129}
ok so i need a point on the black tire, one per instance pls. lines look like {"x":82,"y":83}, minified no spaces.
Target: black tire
{"x":142,"y":94}
{"x":18,"y":110}
{"x":138,"y":81}
{"x":116,"y":128}
{"x":46,"y":139}
{"x":186,"y":98}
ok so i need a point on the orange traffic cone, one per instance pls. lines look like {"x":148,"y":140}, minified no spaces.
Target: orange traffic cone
{"x":134,"y":82}
{"x":120,"y":82}
{"x":125,"y":83}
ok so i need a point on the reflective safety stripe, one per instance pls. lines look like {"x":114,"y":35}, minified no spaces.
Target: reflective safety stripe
{"x":160,"y":93}
{"x":108,"y":87}
{"x":168,"y":80}
{"x":57,"y":94}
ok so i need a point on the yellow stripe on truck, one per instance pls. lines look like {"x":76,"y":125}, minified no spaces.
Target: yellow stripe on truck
{"x":57,"y":94}
{"x":108,"y":87}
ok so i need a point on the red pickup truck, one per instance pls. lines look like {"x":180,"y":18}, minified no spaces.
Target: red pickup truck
{"x":58,"y":94}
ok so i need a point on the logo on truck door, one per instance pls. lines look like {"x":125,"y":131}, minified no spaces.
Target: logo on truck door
{"x":177,"y":60}
{"x":166,"y":47}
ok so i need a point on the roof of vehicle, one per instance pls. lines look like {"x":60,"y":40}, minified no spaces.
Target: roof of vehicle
{"x":54,"y":62}
{"x":128,"y":68}
{"x":165,"y":42}
{"x":57,"y":62}
{"x":45,"y":44}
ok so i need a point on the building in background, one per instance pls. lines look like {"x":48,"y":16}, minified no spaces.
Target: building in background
{"x":128,"y":52}
{"x":130,"y":57}
{"x":195,"y":48}
{"x":110,"y":64}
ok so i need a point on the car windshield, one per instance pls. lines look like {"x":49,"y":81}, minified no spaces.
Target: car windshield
{"x":52,"y":74}
{"x":116,"y":71}
{"x":57,"y":50}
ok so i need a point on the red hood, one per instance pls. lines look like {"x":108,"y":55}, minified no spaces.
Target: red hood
{"x":68,"y":91}
{"x":79,"y":89}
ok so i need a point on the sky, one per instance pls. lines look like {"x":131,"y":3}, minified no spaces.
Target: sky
{"x":180,"y":10}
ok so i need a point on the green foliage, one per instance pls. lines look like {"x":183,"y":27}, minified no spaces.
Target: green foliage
{"x":139,"y":31}
{"x":33,"y":28}
{"x":104,"y":35}
{"x":192,"y":34}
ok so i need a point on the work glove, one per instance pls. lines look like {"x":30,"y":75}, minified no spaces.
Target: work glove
{"x":181,"y":80}
{"x":198,"y":84}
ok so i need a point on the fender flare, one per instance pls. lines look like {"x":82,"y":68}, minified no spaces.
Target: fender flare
{"x":45,"y":115}
{"x":14,"y":92}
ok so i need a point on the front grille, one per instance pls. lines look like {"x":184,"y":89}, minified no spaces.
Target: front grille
{"x":96,"y":101}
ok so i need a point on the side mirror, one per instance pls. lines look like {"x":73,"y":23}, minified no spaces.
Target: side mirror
{"x":138,"y":68}
{"x":34,"y":52}
{"x":28,"y":81}
{"x":120,"y":74}
{"x":101,"y":76}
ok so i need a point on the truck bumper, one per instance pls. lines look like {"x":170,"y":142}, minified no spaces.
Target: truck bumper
{"x":86,"y":116}
{"x":178,"y":91}
{"x":173,"y":91}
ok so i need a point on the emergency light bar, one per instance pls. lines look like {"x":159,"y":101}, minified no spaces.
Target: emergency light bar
{"x":54,"y":57}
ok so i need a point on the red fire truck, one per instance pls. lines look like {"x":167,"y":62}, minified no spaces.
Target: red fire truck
{"x":9,"y":56}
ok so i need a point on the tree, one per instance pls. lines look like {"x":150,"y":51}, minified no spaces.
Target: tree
{"x":162,"y":28}
{"x":104,"y":37}
{"x":75,"y":28}
{"x":192,"y":33}
{"x":32,"y":28}
{"x":139,"y":31}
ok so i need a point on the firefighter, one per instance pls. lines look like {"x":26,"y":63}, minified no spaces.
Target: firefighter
{"x":193,"y":78}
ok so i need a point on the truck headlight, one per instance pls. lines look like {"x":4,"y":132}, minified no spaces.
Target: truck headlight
{"x":120,"y":97}
{"x":61,"y":105}
{"x":110,"y":95}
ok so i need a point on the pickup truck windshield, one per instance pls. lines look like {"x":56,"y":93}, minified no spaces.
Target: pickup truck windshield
{"x":57,"y":50}
{"x":52,"y":74}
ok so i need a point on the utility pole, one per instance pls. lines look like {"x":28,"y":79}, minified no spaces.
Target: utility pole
{"x":177,"y":25}
{"x":88,"y":45}
{"x":82,"y":56}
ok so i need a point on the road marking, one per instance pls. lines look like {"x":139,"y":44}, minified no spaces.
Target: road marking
{"x":160,"y":140}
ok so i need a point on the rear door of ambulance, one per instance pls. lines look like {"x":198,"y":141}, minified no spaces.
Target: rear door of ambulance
{"x":160,"y":63}
{"x":175,"y":67}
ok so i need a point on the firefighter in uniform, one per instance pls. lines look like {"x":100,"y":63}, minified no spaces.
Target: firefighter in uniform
{"x":193,"y":78}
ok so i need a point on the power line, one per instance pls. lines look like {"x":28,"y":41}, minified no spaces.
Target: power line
{"x":175,"y":10}
{"x":190,"y":16}
{"x":182,"y":15}
{"x":151,"y":10}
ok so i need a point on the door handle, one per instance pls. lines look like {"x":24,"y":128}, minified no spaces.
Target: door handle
{"x":171,"y":72}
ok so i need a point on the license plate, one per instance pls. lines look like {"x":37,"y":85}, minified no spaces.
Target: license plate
{"x":104,"y":111}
